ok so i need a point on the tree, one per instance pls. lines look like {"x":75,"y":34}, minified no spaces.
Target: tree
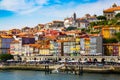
{"x":117,"y":15}
{"x":101,"y":17}
{"x":118,"y":23}
{"x":71,"y":28}
{"x":112,"y":22}
{"x":118,"y":36}
{"x":93,"y":24}
{"x":111,"y":40}
{"x":5,"y":57}
{"x":83,"y":29}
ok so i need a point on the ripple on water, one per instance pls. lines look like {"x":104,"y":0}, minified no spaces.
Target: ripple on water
{"x":39,"y":75}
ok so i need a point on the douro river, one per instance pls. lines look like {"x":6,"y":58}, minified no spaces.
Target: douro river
{"x":39,"y":75}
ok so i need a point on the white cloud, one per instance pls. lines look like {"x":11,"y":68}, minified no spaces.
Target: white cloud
{"x":30,"y":10}
{"x":21,"y":6}
{"x":10,"y":5}
{"x":26,"y":7}
{"x":41,"y":2}
{"x":82,"y":9}
{"x":46,"y":14}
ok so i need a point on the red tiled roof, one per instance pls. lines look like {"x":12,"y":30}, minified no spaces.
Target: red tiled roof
{"x":2,"y":36}
{"x":97,"y":27}
{"x":15,"y":41}
{"x":112,"y":9}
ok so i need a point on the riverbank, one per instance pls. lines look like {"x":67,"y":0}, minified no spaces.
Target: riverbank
{"x":86,"y":69}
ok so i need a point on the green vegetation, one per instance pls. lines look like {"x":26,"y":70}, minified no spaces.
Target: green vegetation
{"x":97,"y":32}
{"x":101,"y":17}
{"x":112,"y":22}
{"x":105,"y":22}
{"x":5,"y":57}
{"x":71,"y":28}
{"x":111,"y":40}
{"x":98,"y":23}
{"x":83,"y":29}
{"x":88,"y":30}
{"x":118,"y":23}
{"x":102,"y":21}
{"x":117,"y":15}
{"x":118,"y":36}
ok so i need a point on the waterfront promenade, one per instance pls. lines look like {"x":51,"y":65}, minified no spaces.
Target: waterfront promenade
{"x":72,"y":67}
{"x":99,"y":58}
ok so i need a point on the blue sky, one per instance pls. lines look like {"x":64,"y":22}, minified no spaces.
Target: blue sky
{"x":21,"y":13}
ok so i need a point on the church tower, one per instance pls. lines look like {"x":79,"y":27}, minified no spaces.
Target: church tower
{"x":74,"y":16}
{"x":114,"y":5}
{"x":74,"y":19}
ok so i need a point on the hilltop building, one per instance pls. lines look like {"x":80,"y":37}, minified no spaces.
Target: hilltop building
{"x":79,"y":22}
{"x":112,"y":11}
{"x":71,"y":22}
{"x":55,"y":25}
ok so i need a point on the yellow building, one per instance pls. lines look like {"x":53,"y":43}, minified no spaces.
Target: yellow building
{"x":109,"y":31}
{"x":87,"y":46}
{"x":44,"y":50}
{"x":77,"y":44}
{"x":39,"y":49}
{"x":106,"y":32}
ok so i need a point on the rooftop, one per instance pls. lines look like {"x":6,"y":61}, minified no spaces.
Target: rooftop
{"x":112,"y":9}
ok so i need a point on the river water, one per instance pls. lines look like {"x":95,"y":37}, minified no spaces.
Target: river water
{"x":39,"y":75}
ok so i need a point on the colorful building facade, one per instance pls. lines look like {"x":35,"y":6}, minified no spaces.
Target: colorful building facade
{"x":5,"y":44}
{"x":112,"y":49}
{"x":91,"y":45}
{"x":109,"y":31}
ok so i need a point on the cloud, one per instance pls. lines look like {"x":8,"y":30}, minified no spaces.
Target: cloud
{"x":41,"y":2}
{"x":43,"y":11}
{"x":30,"y":10}
{"x":81,"y":9}
{"x":22,"y":6}
{"x":58,"y":6}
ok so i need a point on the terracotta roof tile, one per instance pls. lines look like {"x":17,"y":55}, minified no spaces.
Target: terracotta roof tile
{"x":15,"y":41}
{"x":97,"y":27}
{"x":87,"y":39}
{"x":6,"y":36}
{"x":112,"y":9}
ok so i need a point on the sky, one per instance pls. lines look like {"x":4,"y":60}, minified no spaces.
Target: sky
{"x":20,"y":13}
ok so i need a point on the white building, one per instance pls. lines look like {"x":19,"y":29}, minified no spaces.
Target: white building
{"x":111,"y":12}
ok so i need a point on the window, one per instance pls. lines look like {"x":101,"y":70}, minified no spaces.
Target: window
{"x":93,"y":40}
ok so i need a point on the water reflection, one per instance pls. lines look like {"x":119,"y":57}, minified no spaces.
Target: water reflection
{"x":38,"y":75}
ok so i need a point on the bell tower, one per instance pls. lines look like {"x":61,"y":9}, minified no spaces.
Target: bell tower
{"x":74,"y":16}
{"x":114,"y":5}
